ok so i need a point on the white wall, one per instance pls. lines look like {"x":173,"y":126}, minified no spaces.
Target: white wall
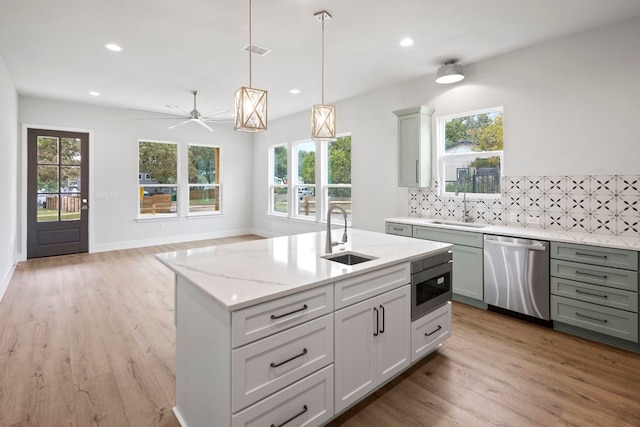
{"x":570,"y":107}
{"x":8,"y":175}
{"x":114,"y":173}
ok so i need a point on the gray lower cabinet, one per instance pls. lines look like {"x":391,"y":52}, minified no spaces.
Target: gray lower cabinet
{"x":467,"y":260}
{"x":595,"y":289}
{"x":399,"y":229}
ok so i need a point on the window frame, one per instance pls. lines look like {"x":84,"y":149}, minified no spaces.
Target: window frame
{"x":153,"y":216}
{"x":442,"y":157}
{"x":218,"y":184}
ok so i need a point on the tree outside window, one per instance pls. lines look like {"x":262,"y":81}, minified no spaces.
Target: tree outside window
{"x":157,"y":178}
{"x":279,"y":180}
{"x":204,"y":179}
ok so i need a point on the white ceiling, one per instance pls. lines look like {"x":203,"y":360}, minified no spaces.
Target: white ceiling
{"x":55,"y":48}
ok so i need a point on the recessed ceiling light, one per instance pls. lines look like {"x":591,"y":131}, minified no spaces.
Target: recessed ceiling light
{"x":406,"y":42}
{"x":94,"y":93}
{"x":113,"y":47}
{"x":294,"y":91}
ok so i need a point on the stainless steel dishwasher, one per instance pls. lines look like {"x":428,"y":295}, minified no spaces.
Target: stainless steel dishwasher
{"x":516,"y":275}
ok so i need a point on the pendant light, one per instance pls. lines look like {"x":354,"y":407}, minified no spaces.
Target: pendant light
{"x":251,"y":103}
{"x":323,"y":117}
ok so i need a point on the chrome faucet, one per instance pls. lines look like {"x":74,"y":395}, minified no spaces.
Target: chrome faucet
{"x":465,"y":213}
{"x":330,"y":245}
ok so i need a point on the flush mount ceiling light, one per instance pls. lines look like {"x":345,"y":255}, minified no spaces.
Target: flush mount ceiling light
{"x":251,"y":103}
{"x":94,"y":93}
{"x":113,"y":47}
{"x":450,"y":72}
{"x":323,"y":117}
{"x":406,"y":42}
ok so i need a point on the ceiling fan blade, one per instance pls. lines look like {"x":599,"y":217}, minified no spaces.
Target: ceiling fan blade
{"x":182,"y":110}
{"x":215,"y":113}
{"x":160,"y":118}
{"x":203,"y":124}
{"x":181,"y":123}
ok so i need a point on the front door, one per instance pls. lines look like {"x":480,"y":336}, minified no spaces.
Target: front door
{"x":57,"y":193}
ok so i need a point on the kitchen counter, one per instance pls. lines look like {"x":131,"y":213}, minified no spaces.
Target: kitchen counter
{"x":602,"y":240}
{"x":240,"y":275}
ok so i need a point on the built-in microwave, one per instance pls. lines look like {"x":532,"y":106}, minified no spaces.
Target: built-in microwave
{"x":431,"y":283}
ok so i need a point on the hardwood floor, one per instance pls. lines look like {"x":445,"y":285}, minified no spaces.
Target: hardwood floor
{"x":89,"y":340}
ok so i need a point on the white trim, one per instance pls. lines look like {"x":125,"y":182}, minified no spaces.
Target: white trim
{"x":4,"y":284}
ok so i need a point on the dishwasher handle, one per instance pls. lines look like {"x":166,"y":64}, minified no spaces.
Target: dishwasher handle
{"x":536,"y":246}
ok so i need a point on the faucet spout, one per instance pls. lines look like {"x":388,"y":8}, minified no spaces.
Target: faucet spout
{"x":329,"y":243}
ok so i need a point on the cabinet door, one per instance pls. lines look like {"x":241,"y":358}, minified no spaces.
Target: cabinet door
{"x":409,"y":150}
{"x":394,"y":338}
{"x":354,"y":330}
{"x":467,"y":272}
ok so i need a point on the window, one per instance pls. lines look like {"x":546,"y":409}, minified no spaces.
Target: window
{"x":278,"y":180}
{"x":322,"y":176}
{"x":470,"y":147}
{"x":158,"y":178}
{"x":204,"y":179}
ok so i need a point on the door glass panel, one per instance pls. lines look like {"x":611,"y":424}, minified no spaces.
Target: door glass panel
{"x":70,"y":179}
{"x":47,"y":179}
{"x":47,"y":150}
{"x":70,"y":153}
{"x":47,"y":207}
{"x":70,"y":207}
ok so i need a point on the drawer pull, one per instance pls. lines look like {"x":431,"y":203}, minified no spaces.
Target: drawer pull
{"x":279,"y":316}
{"x":275,"y":365}
{"x":584,"y":273}
{"x":592,"y":318}
{"x":428,"y":334}
{"x":397,"y":229}
{"x":579,"y":291}
{"x":591,"y":255}
{"x":304,"y":409}
{"x":382,"y":312}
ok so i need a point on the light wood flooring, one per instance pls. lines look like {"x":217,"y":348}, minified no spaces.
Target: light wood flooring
{"x":88,"y":340}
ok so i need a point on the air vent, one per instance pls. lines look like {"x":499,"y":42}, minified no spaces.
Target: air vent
{"x":261,"y":51}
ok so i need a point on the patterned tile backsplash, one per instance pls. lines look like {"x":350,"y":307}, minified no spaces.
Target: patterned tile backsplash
{"x":603,"y":204}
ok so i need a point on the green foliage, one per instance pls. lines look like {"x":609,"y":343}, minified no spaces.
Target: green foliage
{"x":484,"y":131}
{"x":280,"y":162}
{"x":159,"y":160}
{"x":307,"y":165}
{"x":340,"y":161}
{"x":202,"y":165}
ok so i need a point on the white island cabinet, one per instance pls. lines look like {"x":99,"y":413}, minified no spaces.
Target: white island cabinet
{"x":256,"y":324}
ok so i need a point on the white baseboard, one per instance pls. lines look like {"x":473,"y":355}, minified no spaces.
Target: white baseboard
{"x":264,"y":233}
{"x":130,"y":244}
{"x":4,"y":283}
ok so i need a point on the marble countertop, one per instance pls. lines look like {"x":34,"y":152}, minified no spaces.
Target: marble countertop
{"x":239,"y":275}
{"x":601,"y":240}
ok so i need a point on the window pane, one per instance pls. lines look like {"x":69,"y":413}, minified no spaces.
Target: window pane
{"x":204,"y":199}
{"x":341,"y":197}
{"x":306,"y":201}
{"x":159,"y":200}
{"x":478,"y":175}
{"x":306,"y":153}
{"x":70,"y":179}
{"x":158,"y":162}
{"x":47,"y":150}
{"x":69,"y":207}
{"x":339,"y":161}
{"x":70,"y":153}
{"x":279,"y":200}
{"x":47,"y":179}
{"x":279,"y":165}
{"x":203,"y":165}
{"x":47,"y":207}
{"x":479,"y":132}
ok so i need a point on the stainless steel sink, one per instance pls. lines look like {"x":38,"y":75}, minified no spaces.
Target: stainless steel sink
{"x":458,"y":224}
{"x":348,"y":258}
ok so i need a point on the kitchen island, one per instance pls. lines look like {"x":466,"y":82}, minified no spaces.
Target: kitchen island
{"x":256,"y":324}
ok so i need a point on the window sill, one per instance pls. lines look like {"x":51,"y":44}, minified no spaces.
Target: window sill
{"x":158,"y":217}
{"x":204,"y":215}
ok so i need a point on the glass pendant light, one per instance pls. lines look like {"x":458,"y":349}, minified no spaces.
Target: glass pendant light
{"x":251,"y":103}
{"x":323,"y":117}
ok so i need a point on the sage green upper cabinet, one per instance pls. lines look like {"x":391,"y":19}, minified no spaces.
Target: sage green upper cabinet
{"x":414,"y":146}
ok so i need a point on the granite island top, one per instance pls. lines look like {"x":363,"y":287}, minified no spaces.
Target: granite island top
{"x":240,"y":275}
{"x":602,"y":240}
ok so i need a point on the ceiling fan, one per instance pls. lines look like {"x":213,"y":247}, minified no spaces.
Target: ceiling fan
{"x":195,"y":116}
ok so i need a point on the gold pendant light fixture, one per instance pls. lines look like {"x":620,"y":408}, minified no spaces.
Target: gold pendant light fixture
{"x":251,"y":103}
{"x":323,"y":117}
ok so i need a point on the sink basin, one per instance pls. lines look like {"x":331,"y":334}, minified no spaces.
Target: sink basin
{"x":348,"y":258}
{"x":458,"y":224}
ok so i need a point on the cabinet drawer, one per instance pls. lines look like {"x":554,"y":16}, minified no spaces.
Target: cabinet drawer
{"x":265,"y":319}
{"x":610,"y":297}
{"x":399,"y":229}
{"x":609,"y":321}
{"x":608,"y":257}
{"x":367,"y":285}
{"x":265,"y":366}
{"x":428,"y":332}
{"x":606,"y":276}
{"x":456,"y":237}
{"x":306,"y":403}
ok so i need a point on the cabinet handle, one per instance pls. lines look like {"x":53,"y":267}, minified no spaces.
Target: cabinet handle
{"x":579,"y":291}
{"x":591,"y":255}
{"x":278,"y":316}
{"x":428,"y":334}
{"x":375,"y":331}
{"x":275,"y":365}
{"x":304,"y":409}
{"x":382,"y":313}
{"x":584,"y":273}
{"x":592,"y":318}
{"x":397,"y":229}
{"x":417,"y":169}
